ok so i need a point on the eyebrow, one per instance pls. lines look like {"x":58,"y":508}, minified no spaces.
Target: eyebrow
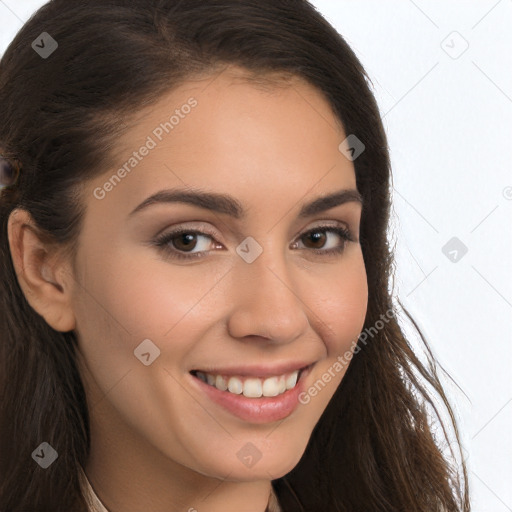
{"x":228,"y":205}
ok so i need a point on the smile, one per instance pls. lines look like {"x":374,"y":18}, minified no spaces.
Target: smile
{"x":251,"y":387}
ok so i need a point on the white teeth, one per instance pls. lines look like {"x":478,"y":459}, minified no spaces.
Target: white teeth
{"x":252,"y":387}
{"x":291,"y":380}
{"x":220,"y":383}
{"x":271,"y":386}
{"x":235,"y":385}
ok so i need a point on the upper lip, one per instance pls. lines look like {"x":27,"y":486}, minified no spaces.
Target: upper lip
{"x":260,"y":370}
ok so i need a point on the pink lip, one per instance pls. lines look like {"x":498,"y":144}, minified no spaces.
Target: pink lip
{"x":255,"y":410}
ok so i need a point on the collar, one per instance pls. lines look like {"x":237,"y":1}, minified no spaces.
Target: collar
{"x":94,"y":504}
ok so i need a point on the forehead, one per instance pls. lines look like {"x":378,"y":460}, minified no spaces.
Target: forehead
{"x":231,"y":132}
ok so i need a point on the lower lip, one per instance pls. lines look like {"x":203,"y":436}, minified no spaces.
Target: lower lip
{"x":256,"y":410}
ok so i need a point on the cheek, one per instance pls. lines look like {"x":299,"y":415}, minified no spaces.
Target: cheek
{"x":340,"y":306}
{"x":147,"y":296}
{"x":340,"y":310}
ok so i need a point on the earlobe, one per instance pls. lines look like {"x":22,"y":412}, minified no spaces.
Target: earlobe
{"x":43,"y":277}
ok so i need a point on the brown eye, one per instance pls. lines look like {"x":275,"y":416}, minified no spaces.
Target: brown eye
{"x":184,"y":241}
{"x":317,"y":238}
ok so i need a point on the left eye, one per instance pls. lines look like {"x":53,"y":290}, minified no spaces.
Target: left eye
{"x":319,"y":235}
{"x":181,"y":243}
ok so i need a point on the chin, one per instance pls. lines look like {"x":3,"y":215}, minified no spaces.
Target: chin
{"x":249,"y":465}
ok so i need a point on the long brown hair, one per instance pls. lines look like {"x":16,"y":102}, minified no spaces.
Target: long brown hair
{"x":373,"y":448}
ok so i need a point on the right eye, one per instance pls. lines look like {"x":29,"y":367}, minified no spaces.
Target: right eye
{"x":177,"y":244}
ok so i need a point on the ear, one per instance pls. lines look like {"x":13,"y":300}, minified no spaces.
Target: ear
{"x":44,"y":277}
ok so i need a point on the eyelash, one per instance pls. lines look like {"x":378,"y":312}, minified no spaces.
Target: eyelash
{"x":163,"y":241}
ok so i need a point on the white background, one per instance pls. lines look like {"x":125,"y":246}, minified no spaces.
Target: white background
{"x":448,"y":117}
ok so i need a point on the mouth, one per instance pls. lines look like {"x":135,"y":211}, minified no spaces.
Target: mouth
{"x":252,"y":386}
{"x":254,"y":395}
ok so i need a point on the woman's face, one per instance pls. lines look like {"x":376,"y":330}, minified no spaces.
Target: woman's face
{"x":251,"y":290}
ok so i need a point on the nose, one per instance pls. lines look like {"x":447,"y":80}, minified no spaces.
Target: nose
{"x":267,"y":303}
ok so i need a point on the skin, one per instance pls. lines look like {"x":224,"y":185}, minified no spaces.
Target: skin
{"x":157,"y":443}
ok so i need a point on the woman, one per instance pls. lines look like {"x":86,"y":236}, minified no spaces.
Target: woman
{"x":195,"y":305}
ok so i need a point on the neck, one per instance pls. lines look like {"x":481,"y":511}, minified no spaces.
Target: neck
{"x":128,"y":475}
